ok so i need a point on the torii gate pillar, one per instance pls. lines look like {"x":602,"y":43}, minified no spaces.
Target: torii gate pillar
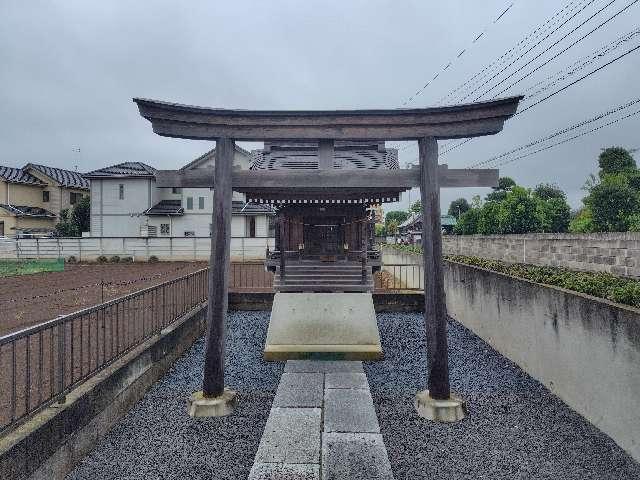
{"x":436,"y":403}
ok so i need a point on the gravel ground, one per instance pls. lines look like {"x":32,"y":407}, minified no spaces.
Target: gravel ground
{"x":157,"y":439}
{"x":515,"y":428}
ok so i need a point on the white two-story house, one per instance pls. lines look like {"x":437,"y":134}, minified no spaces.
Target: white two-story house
{"x":125,"y":202}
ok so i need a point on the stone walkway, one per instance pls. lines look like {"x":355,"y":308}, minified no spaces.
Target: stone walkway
{"x":322,"y":425}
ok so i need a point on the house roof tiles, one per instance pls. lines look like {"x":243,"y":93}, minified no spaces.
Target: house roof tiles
{"x":18,"y":175}
{"x":65,"y":178}
{"x":125,"y":169}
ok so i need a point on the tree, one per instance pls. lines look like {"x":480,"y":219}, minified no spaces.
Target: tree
{"x":468,"y":222}
{"x":416,"y":207}
{"x":75,"y":221}
{"x":381,"y":230}
{"x":518,"y":212}
{"x":582,"y":221}
{"x":505,"y":185}
{"x":458,"y":207}
{"x":615,"y":160}
{"x":489,"y":219}
{"x":392,"y":227}
{"x":553,"y":209}
{"x":397,"y":216}
{"x":612,"y":202}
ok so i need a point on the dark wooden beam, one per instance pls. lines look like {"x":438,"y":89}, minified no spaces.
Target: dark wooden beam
{"x":403,"y":179}
{"x":213,"y":382}
{"x":457,"y":121}
{"x":435,"y":311}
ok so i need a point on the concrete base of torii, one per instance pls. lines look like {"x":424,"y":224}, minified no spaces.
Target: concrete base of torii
{"x":335,"y":326}
{"x":452,"y":409}
{"x":200,"y":406}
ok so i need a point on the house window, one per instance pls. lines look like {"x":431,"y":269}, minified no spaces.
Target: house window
{"x":121,"y":191}
{"x":164,"y":229}
{"x":176,"y":190}
{"x":45,"y":196}
{"x":272,"y":226}
{"x":189,"y":203}
{"x":76,"y":197}
{"x":251,"y":227}
{"x":189,"y":234}
{"x":201,"y":203}
{"x":152,"y":231}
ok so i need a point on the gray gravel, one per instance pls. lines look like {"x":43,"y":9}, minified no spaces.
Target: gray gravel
{"x":157,"y":439}
{"x":515,"y":428}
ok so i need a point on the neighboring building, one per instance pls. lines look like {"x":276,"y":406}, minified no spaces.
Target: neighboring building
{"x":411,"y":228}
{"x":125,"y":202}
{"x":32,"y":197}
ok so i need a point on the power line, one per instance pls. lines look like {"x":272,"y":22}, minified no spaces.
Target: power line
{"x":558,"y":133}
{"x":536,"y":45}
{"x":562,"y":51}
{"x":515,"y":49}
{"x":579,"y":80}
{"x":462,"y":52}
{"x":570,"y":139}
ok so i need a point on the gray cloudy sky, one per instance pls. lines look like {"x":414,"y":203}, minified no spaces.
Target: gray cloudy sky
{"x":68,"y":71}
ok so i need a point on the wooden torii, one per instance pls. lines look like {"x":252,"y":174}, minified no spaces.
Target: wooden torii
{"x":426,"y":125}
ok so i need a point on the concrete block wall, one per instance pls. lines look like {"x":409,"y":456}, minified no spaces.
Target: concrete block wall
{"x":583,"y":349}
{"x":616,"y":253}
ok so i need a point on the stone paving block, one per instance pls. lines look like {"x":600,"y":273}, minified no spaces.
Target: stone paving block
{"x":322,"y":366}
{"x":300,"y":390}
{"x":348,"y":410}
{"x":291,"y":435}
{"x":354,"y":455}
{"x":346,"y":380}
{"x":284,"y":471}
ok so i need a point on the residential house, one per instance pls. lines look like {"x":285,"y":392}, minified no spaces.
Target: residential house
{"x":32,"y":197}
{"x":125,"y":202}
{"x":411,"y":229}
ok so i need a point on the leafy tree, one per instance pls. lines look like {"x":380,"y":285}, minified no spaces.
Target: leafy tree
{"x":612,"y":202}
{"x":381,"y":230}
{"x":518,"y":212}
{"x":416,"y":207}
{"x":488,"y":220}
{"x":553,"y":209}
{"x":458,"y":207}
{"x":582,"y":222}
{"x":468,"y":222}
{"x":392,"y":227}
{"x":505,"y":185}
{"x":75,"y":221}
{"x":397,"y":216}
{"x":615,"y":160}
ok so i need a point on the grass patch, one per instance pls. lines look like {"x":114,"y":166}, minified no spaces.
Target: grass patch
{"x":10,"y":268}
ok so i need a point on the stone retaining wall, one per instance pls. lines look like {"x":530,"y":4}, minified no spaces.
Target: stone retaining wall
{"x":583,"y":349}
{"x":616,"y":253}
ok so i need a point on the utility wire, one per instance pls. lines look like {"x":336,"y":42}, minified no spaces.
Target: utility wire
{"x":460,"y":54}
{"x":558,"y":133}
{"x":512,"y":51}
{"x":562,"y":51}
{"x":536,"y":45}
{"x":570,"y":138}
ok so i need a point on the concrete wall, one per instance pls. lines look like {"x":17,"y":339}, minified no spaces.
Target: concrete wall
{"x":585,"y":350}
{"x":617,"y":253}
{"x":165,"y":248}
{"x":50,"y":444}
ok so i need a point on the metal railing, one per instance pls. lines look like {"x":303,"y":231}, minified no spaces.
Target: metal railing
{"x":398,"y":277}
{"x":42,"y":364}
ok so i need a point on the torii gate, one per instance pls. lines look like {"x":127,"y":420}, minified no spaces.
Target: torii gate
{"x":426,"y":125}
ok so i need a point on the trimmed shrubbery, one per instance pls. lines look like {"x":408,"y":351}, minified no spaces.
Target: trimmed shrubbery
{"x":598,"y":284}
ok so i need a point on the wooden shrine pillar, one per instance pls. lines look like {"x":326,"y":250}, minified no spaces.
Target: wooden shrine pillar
{"x":435,"y":309}
{"x":213,"y":384}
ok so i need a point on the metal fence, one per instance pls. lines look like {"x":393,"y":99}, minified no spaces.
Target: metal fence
{"x":41,"y":364}
{"x":399,"y":277}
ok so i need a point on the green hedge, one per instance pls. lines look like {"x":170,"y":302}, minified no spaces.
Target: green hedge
{"x":603,"y":285}
{"x":9,"y":268}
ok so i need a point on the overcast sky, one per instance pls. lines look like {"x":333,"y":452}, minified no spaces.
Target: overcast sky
{"x":68,"y":71}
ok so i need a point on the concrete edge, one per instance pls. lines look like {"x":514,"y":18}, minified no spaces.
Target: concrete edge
{"x":50,"y":444}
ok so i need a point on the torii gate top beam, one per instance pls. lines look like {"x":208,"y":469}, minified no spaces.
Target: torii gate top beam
{"x":201,"y":123}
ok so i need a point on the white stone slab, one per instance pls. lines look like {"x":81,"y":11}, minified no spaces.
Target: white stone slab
{"x":323,"y":366}
{"x":346,"y":380}
{"x":349,"y":410}
{"x":300,"y":390}
{"x":348,"y":456}
{"x":291,"y":435}
{"x":284,"y":471}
